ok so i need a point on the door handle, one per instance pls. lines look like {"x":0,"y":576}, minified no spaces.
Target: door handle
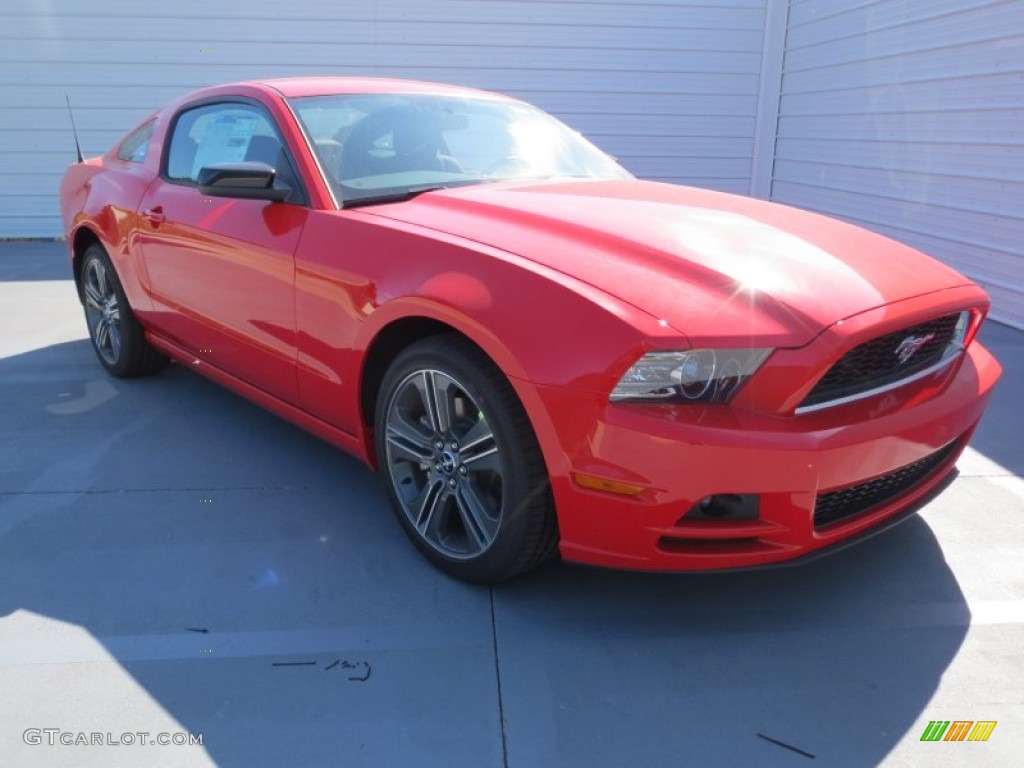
{"x":155,"y":215}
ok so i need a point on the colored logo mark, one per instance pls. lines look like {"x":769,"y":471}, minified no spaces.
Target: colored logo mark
{"x":958,"y":730}
{"x":909,"y":346}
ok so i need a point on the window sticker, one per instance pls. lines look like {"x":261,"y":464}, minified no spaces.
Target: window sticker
{"x":226,"y":141}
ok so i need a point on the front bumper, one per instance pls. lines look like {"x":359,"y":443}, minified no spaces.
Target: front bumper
{"x":681,"y":454}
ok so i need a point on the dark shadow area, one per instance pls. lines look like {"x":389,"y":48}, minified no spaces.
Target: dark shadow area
{"x":836,"y":659}
{"x":999,"y":435}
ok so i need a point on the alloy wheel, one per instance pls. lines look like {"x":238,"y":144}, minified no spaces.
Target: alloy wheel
{"x":444,"y":462}
{"x":102,"y":311}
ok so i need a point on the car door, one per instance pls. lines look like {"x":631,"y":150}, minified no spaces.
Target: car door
{"x":222,"y":270}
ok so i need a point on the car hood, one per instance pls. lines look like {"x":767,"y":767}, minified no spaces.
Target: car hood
{"x":718,"y":268}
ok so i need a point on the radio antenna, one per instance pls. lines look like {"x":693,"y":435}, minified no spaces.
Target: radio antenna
{"x":74,"y":130}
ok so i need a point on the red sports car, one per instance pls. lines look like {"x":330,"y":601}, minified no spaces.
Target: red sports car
{"x":541,"y":353}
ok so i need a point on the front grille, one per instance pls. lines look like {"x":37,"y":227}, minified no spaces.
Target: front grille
{"x":834,"y":506}
{"x":877,"y":363}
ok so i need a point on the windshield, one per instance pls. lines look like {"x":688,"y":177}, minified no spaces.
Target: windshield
{"x":377,"y":147}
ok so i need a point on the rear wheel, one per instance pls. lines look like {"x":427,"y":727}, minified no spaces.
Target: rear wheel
{"x":116,"y":335}
{"x":462,"y":464}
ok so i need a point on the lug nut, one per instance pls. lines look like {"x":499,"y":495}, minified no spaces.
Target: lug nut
{"x":439,"y":445}
{"x":463,"y":470}
{"x":451,"y":482}
{"x":454,"y":446}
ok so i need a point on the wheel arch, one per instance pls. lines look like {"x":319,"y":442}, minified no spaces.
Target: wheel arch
{"x":83,"y":238}
{"x":401,"y":331}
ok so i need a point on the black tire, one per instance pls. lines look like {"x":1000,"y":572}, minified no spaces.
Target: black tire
{"x":117,"y":338}
{"x":462,"y":466}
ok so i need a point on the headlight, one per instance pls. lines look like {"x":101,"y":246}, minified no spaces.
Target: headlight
{"x":697,"y":375}
{"x":956,"y":343}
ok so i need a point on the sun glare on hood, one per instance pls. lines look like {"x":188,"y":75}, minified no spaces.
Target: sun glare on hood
{"x":749,"y":253}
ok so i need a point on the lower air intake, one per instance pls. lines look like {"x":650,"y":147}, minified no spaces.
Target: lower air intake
{"x":836,"y":506}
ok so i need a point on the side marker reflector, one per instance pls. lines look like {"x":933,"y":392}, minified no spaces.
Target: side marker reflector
{"x":604,"y":484}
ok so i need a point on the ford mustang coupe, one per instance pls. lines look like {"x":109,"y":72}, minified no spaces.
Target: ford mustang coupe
{"x":542,"y":354}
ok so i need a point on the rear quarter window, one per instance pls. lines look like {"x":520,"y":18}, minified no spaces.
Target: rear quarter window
{"x":136,"y":144}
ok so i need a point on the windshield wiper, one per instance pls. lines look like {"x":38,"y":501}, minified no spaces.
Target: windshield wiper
{"x":391,"y":197}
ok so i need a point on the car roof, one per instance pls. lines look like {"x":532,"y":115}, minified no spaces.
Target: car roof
{"x":322,"y":86}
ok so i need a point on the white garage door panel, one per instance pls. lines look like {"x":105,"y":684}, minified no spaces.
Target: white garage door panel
{"x":366,"y":58}
{"x":387,"y":23}
{"x":894,"y":28}
{"x":897,"y":71}
{"x":32,"y":206}
{"x":1007,"y":299}
{"x":26,"y":226}
{"x":890,"y":214}
{"x":668,"y":86}
{"x":424,"y":45}
{"x":88,"y":119}
{"x":977,"y":92}
{"x":927,"y":40}
{"x":183,"y":76}
{"x":734,"y":14}
{"x":33,"y":184}
{"x":635,"y":125}
{"x":698,"y":172}
{"x":137,"y":96}
{"x":22,"y":143}
{"x":618,"y":13}
{"x":907,"y":118}
{"x":977,"y":126}
{"x":710,"y":150}
{"x":986,"y":161}
{"x":813,"y":21}
{"x":642,"y":105}
{"x":902,"y":189}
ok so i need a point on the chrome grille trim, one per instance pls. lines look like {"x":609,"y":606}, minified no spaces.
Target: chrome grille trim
{"x":949,"y":358}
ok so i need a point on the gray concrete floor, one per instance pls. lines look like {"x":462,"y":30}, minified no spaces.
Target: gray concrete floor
{"x":134,"y":514}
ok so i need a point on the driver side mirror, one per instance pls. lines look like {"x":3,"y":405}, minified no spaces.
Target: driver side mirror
{"x":251,"y":180}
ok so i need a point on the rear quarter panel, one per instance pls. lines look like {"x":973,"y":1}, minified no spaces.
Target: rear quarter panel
{"x":102,"y":195}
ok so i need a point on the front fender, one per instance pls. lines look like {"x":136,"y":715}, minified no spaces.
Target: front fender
{"x":536,"y":323}
{"x":357,"y":274}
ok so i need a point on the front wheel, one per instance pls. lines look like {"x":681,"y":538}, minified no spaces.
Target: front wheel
{"x":462,"y":464}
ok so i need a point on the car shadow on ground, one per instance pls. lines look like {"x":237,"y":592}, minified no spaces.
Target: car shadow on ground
{"x":253,"y":584}
{"x":998,"y":437}
{"x":835,"y":659}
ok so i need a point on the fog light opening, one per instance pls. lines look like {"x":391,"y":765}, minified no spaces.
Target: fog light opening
{"x":726,"y":506}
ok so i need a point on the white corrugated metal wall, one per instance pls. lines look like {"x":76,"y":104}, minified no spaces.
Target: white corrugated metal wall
{"x":668,"y":86}
{"x":907,"y":117}
{"x":902,"y":115}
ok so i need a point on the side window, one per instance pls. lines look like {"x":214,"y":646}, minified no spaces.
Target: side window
{"x":134,"y":147}
{"x":225,"y":133}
